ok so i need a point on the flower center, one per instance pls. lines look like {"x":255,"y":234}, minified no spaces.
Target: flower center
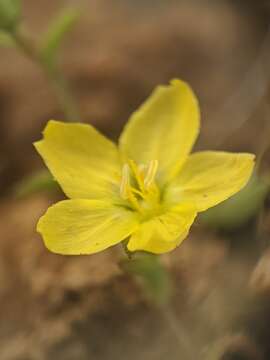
{"x":138,"y":186}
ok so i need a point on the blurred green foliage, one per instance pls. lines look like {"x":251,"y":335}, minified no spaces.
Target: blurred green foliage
{"x":6,"y":40}
{"x":10,"y":13}
{"x":240,"y":208}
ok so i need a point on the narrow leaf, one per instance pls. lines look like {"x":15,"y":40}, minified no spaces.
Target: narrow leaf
{"x":38,"y":182}
{"x":59,"y":27}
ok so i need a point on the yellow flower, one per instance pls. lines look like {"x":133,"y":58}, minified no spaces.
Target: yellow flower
{"x":147,"y":190}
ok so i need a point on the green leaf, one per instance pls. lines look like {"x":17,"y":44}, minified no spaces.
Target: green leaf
{"x":10,"y":13}
{"x":240,"y":208}
{"x":6,"y":40}
{"x":38,"y":182}
{"x":152,"y":275}
{"x":56,"y":32}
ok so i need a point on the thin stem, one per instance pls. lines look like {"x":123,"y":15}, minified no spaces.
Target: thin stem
{"x":242,"y":103}
{"x":65,"y":97}
{"x":265,"y":144}
{"x":157,"y":287}
{"x":181,"y":334}
{"x":59,"y":83}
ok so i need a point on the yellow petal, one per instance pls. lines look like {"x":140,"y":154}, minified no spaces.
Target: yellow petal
{"x":162,"y":233}
{"x":210,"y":177}
{"x":84,"y":162}
{"x":74,"y":227}
{"x":164,"y":128}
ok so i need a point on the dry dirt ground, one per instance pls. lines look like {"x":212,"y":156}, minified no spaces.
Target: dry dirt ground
{"x":63,"y":308}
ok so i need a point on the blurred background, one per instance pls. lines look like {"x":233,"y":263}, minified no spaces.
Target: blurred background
{"x":65,"y":308}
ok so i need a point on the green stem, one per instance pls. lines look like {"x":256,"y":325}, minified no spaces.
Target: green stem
{"x":58,"y":82}
{"x":65,"y":97}
{"x":155,"y":281}
{"x":188,"y":351}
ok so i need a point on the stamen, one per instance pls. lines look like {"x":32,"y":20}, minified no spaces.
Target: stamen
{"x":151,"y":173}
{"x":126,"y":190}
{"x":142,"y":169}
{"x":137,"y":192}
{"x":125,"y":182}
{"x":133,"y":200}
{"x":137,"y":174}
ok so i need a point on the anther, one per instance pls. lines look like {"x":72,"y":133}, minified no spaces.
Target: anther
{"x":125,"y":182}
{"x":136,"y":173}
{"x":151,"y":173}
